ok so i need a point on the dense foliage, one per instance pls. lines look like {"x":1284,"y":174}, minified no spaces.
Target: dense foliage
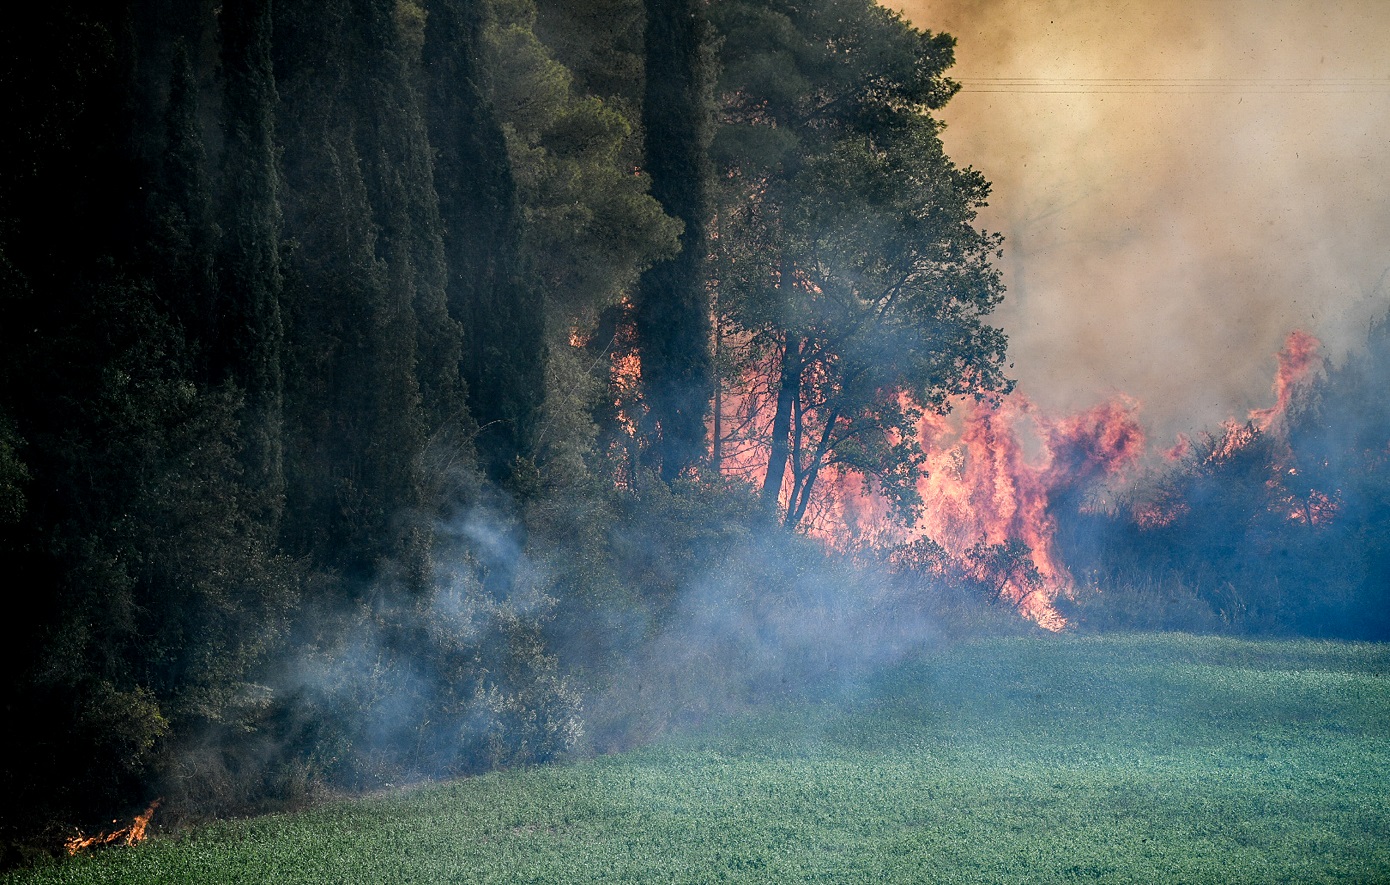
{"x":319,"y":464}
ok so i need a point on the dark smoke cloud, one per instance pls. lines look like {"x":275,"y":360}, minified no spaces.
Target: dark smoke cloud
{"x":1164,"y":241}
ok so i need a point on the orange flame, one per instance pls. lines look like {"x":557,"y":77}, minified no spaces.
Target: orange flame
{"x":127,"y":835}
{"x":626,"y":376}
{"x":983,"y":488}
{"x":1179,"y":449}
{"x":983,"y":493}
{"x":1298,"y":359}
{"x":994,"y":474}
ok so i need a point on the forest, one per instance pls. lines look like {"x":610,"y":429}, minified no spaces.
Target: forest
{"x":395,"y":390}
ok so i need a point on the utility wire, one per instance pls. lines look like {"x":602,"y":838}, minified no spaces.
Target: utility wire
{"x":1177,"y":85}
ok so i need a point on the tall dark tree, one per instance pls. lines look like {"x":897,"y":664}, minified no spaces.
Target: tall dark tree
{"x":248,"y":332}
{"x":500,"y":310}
{"x":66,"y":184}
{"x":398,"y":169}
{"x":356,"y":412}
{"x":672,"y":306}
{"x":184,"y":239}
{"x":140,"y":534}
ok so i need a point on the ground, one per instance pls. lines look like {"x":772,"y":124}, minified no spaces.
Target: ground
{"x":1157,"y":758}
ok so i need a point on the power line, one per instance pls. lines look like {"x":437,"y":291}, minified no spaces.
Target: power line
{"x":1177,"y":85}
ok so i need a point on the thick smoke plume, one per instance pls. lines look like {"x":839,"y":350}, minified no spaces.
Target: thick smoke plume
{"x":1168,"y":226}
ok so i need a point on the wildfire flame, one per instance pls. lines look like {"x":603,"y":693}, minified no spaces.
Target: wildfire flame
{"x":128,"y":835}
{"x":984,"y":491}
{"x":991,"y":477}
{"x":1299,"y":361}
{"x":1299,"y":358}
{"x":994,"y":475}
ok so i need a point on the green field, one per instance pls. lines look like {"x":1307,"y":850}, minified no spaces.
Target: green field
{"x":1128,"y":759}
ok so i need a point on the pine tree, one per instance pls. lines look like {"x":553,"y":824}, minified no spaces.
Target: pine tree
{"x":854,"y":270}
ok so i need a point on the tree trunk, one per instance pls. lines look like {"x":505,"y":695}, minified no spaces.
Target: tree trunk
{"x":801,"y":494}
{"x":788,"y":392}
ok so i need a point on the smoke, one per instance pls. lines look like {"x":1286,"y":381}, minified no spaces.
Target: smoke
{"x":1166,"y":232}
{"x":773,"y":617}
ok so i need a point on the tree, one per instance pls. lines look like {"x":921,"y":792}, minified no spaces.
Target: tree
{"x":184,"y":237}
{"x":247,"y":329}
{"x":850,"y":266}
{"x":499,"y":311}
{"x":587,"y":222}
{"x":600,"y":42}
{"x":148,"y":549}
{"x":672,"y":306}
{"x":361,"y":284}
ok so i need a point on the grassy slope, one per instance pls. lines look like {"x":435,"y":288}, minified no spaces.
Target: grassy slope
{"x":1148,"y":759}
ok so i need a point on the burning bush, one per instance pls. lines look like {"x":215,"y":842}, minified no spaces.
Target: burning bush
{"x":1274,"y":525}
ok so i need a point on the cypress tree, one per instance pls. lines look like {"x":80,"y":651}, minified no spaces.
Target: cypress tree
{"x":185,"y":235}
{"x":397,"y":163}
{"x":672,"y":306}
{"x":246,"y":323}
{"x":153,"y":584}
{"x":359,"y":211}
{"x":500,"y":312}
{"x":67,"y":186}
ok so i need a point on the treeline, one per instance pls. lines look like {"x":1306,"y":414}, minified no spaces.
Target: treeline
{"x":1269,"y":527}
{"x":318,"y":468}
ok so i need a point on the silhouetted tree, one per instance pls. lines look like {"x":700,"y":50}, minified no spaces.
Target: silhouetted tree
{"x":672,"y":306}
{"x":500,"y":312}
{"x":357,"y":415}
{"x":247,"y":329}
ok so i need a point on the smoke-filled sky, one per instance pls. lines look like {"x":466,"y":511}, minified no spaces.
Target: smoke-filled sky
{"x":1180,"y":183}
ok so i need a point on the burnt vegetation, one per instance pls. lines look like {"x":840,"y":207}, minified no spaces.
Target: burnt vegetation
{"x":399,"y":389}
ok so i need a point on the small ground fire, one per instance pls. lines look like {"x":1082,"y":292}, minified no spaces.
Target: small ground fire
{"x":131,"y":834}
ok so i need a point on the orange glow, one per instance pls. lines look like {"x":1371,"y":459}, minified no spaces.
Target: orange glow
{"x":994,"y":474}
{"x":1300,"y":357}
{"x":1299,"y":361}
{"x":1179,"y":449}
{"x":625,"y":388}
{"x":626,"y":375}
{"x":127,"y":835}
{"x":746,"y":422}
{"x":982,"y":487}
{"x":1156,"y":516}
{"x":991,"y":476}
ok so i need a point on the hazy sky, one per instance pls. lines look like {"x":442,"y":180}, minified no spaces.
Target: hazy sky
{"x":1181,"y":184}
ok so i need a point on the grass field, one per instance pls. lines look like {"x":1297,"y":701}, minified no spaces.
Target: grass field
{"x":1125,"y":759}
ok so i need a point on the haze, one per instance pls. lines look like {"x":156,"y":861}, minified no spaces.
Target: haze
{"x":1181,"y":185}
